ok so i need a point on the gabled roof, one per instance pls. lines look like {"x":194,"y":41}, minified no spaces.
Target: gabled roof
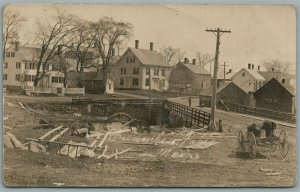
{"x":29,"y":52}
{"x":273,"y":80}
{"x":208,"y":92}
{"x":194,"y":68}
{"x":253,"y":73}
{"x":148,"y":57}
{"x":220,"y":74}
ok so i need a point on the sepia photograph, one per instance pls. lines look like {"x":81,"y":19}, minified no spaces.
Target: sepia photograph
{"x":149,"y":95}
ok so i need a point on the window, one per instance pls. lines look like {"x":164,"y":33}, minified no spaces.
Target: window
{"x":54,"y":79}
{"x":147,"y":82}
{"x":26,"y":65}
{"x":163,"y":72}
{"x":148,"y":71}
{"x":249,"y":83}
{"x":131,"y":59}
{"x":32,"y":77}
{"x":12,"y":54}
{"x":4,"y":76}
{"x":121,"y":81}
{"x":128,"y":59}
{"x":243,"y":74}
{"x":123,"y":70}
{"x":7,"y":54}
{"x":17,"y":77}
{"x":163,"y":83}
{"x":136,"y":70}
{"x":27,"y":77}
{"x":156,"y":72}
{"x":61,"y":79}
{"x":31,"y":65}
{"x":5,"y":65}
{"x":18,"y":65}
{"x":135,"y":82}
{"x":46,"y":67}
{"x":260,"y":84}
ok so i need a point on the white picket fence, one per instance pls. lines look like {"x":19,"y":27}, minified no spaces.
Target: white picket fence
{"x":54,"y":90}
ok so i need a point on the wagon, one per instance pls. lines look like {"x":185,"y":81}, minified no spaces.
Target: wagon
{"x":251,"y":144}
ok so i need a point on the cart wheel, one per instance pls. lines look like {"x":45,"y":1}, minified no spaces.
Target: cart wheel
{"x":251,"y":145}
{"x":283,"y":143}
{"x":241,"y":141}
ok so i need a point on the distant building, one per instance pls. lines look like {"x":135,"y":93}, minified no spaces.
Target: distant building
{"x":138,"y":68}
{"x":229,"y":92}
{"x":189,"y":78}
{"x":248,"y":79}
{"x":220,"y":77}
{"x":20,"y":67}
{"x":285,"y":79}
{"x":275,"y":96}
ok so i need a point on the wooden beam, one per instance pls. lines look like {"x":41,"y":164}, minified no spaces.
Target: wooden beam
{"x":49,"y":132}
{"x":58,"y":135}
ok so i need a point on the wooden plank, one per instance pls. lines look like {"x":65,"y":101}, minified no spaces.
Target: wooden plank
{"x":49,"y":132}
{"x":103,"y":140}
{"x":58,"y":135}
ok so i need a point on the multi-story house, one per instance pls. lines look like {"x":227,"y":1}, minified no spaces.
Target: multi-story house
{"x":248,"y":79}
{"x":141,"y":68}
{"x":20,"y":67}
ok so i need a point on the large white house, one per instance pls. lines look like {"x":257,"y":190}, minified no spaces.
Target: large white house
{"x":138,"y":68}
{"x":248,"y":79}
{"x":20,"y":67}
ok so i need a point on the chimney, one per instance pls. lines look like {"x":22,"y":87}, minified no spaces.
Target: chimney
{"x":151,"y":46}
{"x":258,"y":68}
{"x":185,"y":60}
{"x":136,"y":44}
{"x":249,"y":65}
{"x":17,"y":46}
{"x":113,"y":52}
{"x":194,"y":61}
{"x":252,"y":66}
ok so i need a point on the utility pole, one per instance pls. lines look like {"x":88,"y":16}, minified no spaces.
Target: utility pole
{"x":217,"y":32}
{"x":224,"y":71}
{"x":149,"y":95}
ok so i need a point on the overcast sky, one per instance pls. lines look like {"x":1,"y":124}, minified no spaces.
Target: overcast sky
{"x":259,"y":33}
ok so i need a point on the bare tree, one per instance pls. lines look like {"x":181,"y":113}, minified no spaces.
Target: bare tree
{"x":172,"y":55}
{"x":204,"y":59}
{"x":11,"y":26}
{"x":83,"y":48}
{"x":111,"y":34}
{"x":277,"y":66}
{"x":49,"y":37}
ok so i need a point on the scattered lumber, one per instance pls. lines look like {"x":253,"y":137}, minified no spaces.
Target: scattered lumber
{"x":138,"y":143}
{"x":58,"y":135}
{"x":116,"y":154}
{"x":103,"y":153}
{"x":28,"y":109}
{"x":50,"y":132}
{"x":103,"y":140}
{"x":201,"y":145}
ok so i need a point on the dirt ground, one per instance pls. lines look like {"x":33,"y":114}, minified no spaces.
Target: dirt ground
{"x":166,"y":164}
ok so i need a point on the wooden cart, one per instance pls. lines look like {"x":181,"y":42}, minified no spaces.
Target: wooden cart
{"x":251,"y":144}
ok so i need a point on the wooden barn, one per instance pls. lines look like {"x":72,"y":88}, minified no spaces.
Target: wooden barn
{"x":275,"y":96}
{"x":229,"y":93}
{"x":189,"y":78}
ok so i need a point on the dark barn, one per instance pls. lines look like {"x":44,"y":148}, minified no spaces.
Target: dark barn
{"x":274,"y":96}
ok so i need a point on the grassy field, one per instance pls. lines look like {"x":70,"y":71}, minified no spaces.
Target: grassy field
{"x":215,"y":166}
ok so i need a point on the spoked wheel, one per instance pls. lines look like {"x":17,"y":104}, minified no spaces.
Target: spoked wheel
{"x":283,"y":143}
{"x":251,"y":145}
{"x":241,"y":141}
